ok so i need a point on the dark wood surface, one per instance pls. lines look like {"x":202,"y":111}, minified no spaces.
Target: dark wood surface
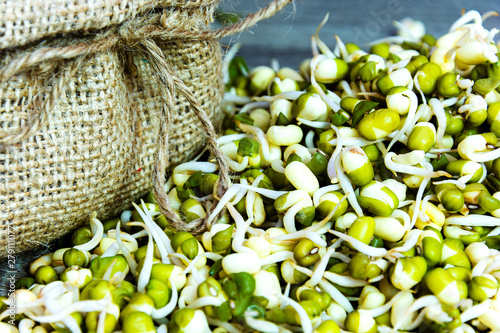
{"x":287,"y":35}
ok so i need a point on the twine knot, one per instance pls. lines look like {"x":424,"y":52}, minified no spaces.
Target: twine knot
{"x":138,"y":35}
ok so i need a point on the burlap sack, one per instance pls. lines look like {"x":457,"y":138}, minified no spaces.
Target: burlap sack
{"x":96,"y":150}
{"x":90,"y":90}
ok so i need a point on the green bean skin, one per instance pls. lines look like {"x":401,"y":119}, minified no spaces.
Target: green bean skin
{"x":415,"y":63}
{"x":422,"y":137}
{"x":378,"y":124}
{"x":306,"y":253}
{"x":138,"y":322}
{"x":428,"y":74}
{"x":361,"y":267}
{"x":362,"y":229}
{"x":447,"y":85}
{"x":45,"y":275}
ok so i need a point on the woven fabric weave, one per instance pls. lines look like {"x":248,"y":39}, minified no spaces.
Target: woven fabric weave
{"x":26,"y":21}
{"x":96,"y":151}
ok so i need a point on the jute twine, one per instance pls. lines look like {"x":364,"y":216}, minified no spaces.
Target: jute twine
{"x":141,"y":36}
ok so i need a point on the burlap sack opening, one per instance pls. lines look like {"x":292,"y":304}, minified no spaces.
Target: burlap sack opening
{"x":97,"y":150}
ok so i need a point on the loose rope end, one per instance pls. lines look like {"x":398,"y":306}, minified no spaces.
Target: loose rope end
{"x":251,"y":19}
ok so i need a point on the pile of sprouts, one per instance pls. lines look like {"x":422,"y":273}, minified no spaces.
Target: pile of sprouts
{"x":364,"y":197}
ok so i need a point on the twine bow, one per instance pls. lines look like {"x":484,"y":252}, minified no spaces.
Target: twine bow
{"x":137,"y":35}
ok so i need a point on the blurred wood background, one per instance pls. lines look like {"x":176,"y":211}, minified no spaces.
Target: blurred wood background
{"x":287,"y":35}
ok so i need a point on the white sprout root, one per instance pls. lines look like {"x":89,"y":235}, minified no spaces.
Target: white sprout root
{"x":97,"y":231}
{"x":360,"y":246}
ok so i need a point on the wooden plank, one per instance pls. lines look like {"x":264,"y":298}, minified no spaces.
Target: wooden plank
{"x":287,"y":35}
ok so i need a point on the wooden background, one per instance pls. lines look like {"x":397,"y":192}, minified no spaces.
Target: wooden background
{"x":287,"y":35}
